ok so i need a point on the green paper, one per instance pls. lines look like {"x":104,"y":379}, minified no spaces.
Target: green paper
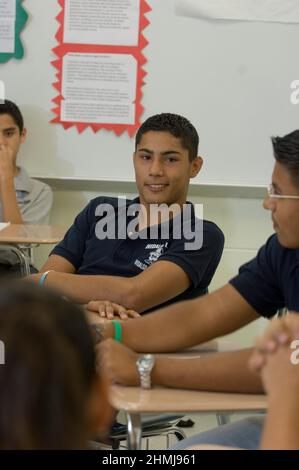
{"x":21,"y":19}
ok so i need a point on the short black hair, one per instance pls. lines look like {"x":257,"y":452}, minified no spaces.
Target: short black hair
{"x":8,"y":107}
{"x":176,"y":125}
{"x":286,"y":152}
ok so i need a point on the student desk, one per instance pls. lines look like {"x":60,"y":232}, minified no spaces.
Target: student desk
{"x":21,"y":237}
{"x":134,"y":400}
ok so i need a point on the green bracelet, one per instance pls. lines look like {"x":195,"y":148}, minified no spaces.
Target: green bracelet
{"x":117,"y":330}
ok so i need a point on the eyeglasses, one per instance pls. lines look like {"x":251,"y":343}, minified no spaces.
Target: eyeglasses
{"x":273,"y":195}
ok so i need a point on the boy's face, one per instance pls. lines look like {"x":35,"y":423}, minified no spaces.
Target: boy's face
{"x":163,"y":169}
{"x":285,"y":212}
{"x":10,"y":135}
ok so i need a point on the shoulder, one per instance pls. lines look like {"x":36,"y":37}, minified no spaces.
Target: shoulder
{"x":40,"y":186}
{"x":212,"y":234}
{"x":38,"y":191}
{"x":210,"y":228}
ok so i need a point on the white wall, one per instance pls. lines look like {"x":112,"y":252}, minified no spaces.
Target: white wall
{"x":231,"y":79}
{"x":245,"y":223}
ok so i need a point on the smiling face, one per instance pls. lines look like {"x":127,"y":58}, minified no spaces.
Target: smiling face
{"x":10,"y":135}
{"x":163,"y":169}
{"x":285,"y":212}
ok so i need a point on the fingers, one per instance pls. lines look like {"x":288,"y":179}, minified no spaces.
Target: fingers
{"x":292,"y":322}
{"x":257,"y":361}
{"x":133,"y":314}
{"x":110,"y":310}
{"x":118,"y":361}
{"x":94,"y":305}
{"x":279,"y":333}
{"x":103,"y":307}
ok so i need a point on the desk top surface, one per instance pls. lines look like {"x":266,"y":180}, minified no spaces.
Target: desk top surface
{"x":158,"y":399}
{"x":22,"y":233}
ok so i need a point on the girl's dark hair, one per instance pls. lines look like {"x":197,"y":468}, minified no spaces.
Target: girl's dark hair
{"x":48,"y":372}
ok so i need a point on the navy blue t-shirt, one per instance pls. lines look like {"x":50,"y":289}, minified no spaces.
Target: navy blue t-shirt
{"x":126,"y":256}
{"x":271,"y":280}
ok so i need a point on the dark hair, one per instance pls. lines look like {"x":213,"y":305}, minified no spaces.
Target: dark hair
{"x":8,"y":107}
{"x":286,"y":152}
{"x":48,"y":372}
{"x":176,"y":125}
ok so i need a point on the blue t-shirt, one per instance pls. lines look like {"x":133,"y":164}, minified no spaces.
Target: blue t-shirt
{"x":122,"y":255}
{"x":271,"y":280}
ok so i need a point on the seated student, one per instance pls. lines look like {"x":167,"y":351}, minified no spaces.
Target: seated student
{"x":51,"y":394}
{"x":267,"y":283}
{"x":109,"y":253}
{"x":23,"y":200}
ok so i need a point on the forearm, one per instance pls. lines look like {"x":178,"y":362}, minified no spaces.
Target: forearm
{"x":10,"y":208}
{"x":221,"y":372}
{"x":189,"y":323}
{"x":82,"y":289}
{"x":281,"y":430}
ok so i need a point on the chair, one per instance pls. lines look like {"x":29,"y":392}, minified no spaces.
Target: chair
{"x":22,"y":258}
{"x":151,"y":425}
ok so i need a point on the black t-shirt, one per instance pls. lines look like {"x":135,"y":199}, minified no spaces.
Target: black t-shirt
{"x":122,"y":254}
{"x":271,"y":280}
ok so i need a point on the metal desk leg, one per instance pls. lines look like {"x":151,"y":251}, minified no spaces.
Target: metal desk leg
{"x":134,"y":431}
{"x":223,"y":418}
{"x":23,"y":259}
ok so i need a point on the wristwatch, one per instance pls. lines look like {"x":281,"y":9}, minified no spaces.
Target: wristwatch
{"x":145,"y":366}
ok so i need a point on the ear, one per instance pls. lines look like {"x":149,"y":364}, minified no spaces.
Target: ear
{"x":196,"y":165}
{"x":23,"y":135}
{"x":100,"y":410}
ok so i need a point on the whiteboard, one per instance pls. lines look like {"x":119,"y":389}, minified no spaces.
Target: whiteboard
{"x":231,"y":79}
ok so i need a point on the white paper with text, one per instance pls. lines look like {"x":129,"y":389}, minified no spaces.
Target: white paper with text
{"x":102,"y":22}
{"x":7,"y":26}
{"x":99,"y":88}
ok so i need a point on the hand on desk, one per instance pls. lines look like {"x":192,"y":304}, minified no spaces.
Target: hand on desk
{"x":102,"y":308}
{"x":111,"y":310}
{"x":119,"y":362}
